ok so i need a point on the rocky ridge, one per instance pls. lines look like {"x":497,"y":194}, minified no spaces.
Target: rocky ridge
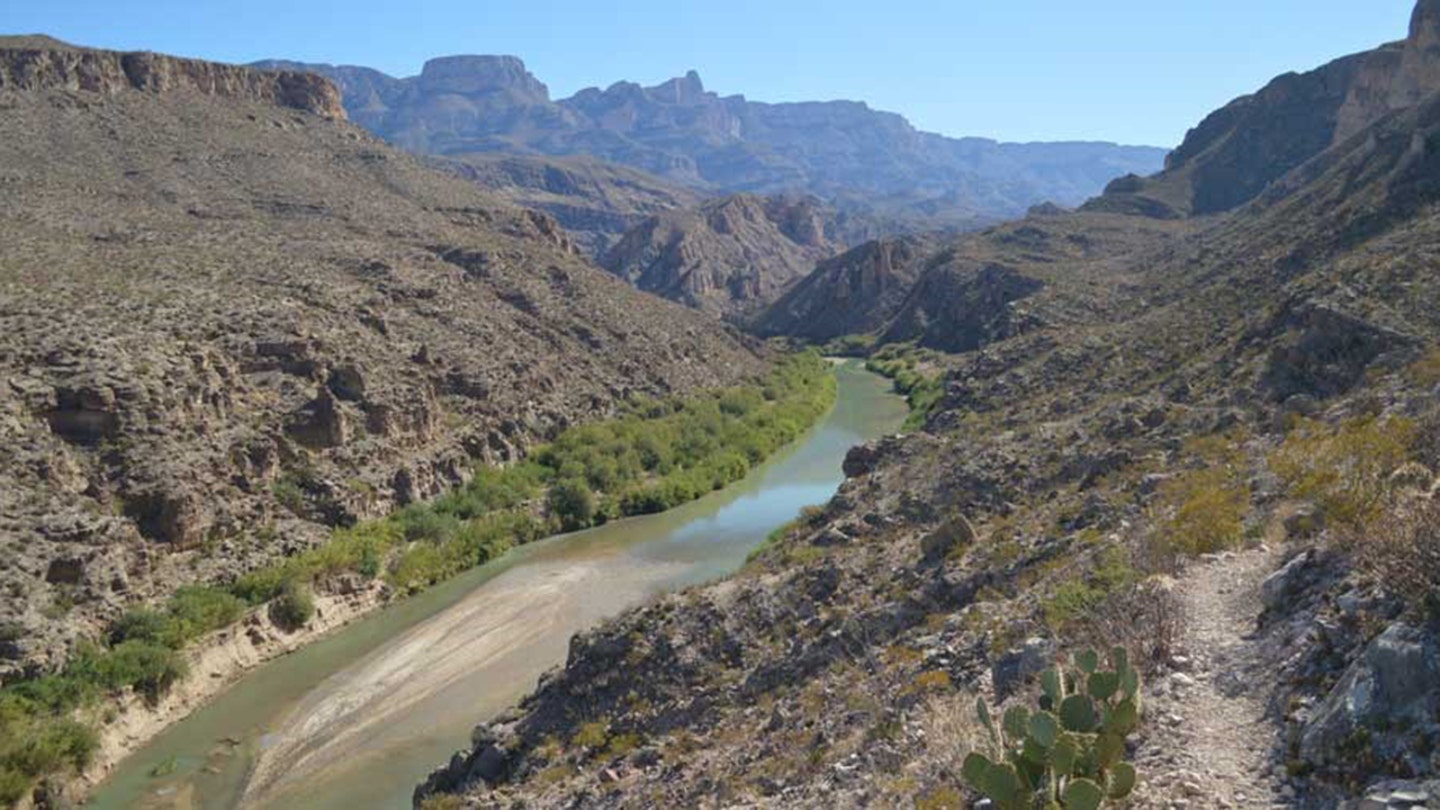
{"x":42,"y":63}
{"x":855,"y":293}
{"x":1231,"y":156}
{"x":596,"y":202}
{"x":842,"y":151}
{"x":235,"y":319}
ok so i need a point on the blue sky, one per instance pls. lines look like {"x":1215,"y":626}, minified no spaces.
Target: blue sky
{"x":1135,"y":71}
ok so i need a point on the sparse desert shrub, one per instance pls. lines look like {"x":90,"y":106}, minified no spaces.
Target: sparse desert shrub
{"x":1070,"y":753}
{"x":1076,"y":600}
{"x":1425,"y":372}
{"x":592,"y":735}
{"x":1401,"y":549}
{"x":952,"y":729}
{"x":1344,"y":469}
{"x":1207,"y":509}
{"x":1146,"y":617}
{"x":294,"y":607}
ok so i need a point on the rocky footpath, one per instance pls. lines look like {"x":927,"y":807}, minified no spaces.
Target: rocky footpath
{"x":235,"y":319}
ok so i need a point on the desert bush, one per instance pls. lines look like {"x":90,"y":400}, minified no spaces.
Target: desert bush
{"x":1070,"y":753}
{"x":1401,"y":550}
{"x":572,"y":502}
{"x":294,"y":607}
{"x":1207,"y":509}
{"x":1146,"y":617}
{"x":1344,"y":469}
{"x":1074,"y":600}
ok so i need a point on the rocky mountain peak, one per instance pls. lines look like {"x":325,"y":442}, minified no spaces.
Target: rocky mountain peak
{"x":685,"y":89}
{"x":476,"y":75}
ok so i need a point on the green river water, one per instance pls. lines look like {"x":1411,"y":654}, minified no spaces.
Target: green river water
{"x":357,"y":719}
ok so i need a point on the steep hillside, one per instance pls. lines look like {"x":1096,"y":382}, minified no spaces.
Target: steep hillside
{"x":1241,"y":148}
{"x":730,"y":255}
{"x":857,"y":292}
{"x":1212,"y":442}
{"x":841,"y":150}
{"x":594,"y":201}
{"x":233,"y":319}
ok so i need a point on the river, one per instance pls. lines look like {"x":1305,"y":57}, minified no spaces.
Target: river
{"x":358,"y":718}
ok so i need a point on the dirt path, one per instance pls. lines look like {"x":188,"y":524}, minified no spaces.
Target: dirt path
{"x":1213,"y":743}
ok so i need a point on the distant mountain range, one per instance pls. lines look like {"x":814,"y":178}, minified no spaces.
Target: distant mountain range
{"x":852,"y":156}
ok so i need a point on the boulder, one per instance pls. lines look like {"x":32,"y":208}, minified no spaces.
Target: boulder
{"x":1280,"y":587}
{"x":1394,"y":684}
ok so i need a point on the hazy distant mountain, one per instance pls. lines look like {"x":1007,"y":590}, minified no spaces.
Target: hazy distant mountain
{"x":840,"y":150}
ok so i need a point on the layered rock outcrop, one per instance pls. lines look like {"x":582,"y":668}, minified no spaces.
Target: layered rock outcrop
{"x":857,"y":292}
{"x":39,"y":63}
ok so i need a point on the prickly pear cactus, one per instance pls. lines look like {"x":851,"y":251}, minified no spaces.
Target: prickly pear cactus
{"x":1070,"y":753}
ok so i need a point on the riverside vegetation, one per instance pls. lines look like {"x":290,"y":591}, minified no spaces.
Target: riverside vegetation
{"x":659,"y":454}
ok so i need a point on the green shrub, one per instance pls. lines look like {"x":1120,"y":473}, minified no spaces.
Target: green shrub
{"x":196,"y":610}
{"x":573,"y":503}
{"x":294,"y":607}
{"x":147,"y":667}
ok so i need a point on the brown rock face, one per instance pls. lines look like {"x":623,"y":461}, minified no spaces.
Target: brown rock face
{"x":729,"y":256}
{"x":33,"y":64}
{"x":854,"y":293}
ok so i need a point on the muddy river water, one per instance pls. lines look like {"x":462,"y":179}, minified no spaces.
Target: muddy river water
{"x":358,"y":718}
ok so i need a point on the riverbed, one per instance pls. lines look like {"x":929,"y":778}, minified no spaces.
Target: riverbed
{"x":358,"y":718}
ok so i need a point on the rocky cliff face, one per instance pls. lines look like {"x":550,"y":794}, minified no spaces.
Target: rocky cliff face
{"x":680,"y":131}
{"x":232,"y":322}
{"x":728,"y":256}
{"x":857,"y":292}
{"x":1241,"y":148}
{"x":38,"y":64}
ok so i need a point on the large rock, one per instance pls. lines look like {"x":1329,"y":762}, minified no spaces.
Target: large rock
{"x":1387,"y":697}
{"x":1288,"y":582}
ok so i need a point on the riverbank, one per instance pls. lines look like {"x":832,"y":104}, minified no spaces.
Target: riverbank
{"x":158,"y":664}
{"x":376,"y":706}
{"x":216,"y":663}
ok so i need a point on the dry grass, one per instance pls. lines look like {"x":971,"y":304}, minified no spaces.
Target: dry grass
{"x":1147,"y":618}
{"x":952,"y":730}
{"x":1401,"y":549}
